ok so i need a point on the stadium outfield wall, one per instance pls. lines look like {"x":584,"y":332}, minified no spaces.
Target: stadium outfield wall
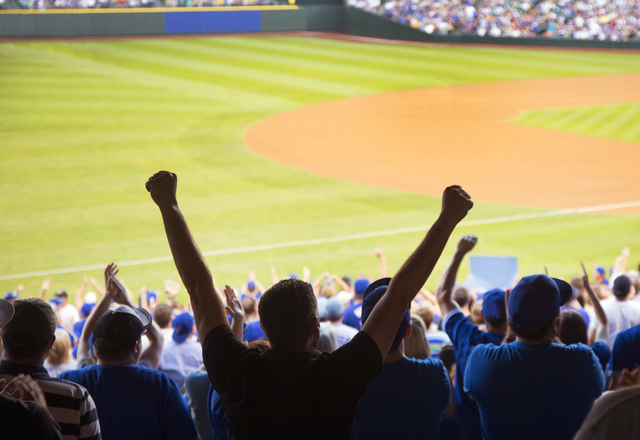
{"x":61,"y":23}
{"x":363,"y":23}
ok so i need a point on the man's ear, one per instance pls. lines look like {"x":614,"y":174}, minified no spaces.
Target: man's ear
{"x":51,"y":342}
{"x":409,"y":330}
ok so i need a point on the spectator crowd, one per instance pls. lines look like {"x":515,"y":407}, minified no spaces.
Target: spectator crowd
{"x":105,"y":4}
{"x":328,"y":358}
{"x":611,"y":20}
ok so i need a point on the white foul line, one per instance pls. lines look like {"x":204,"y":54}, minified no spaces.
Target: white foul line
{"x":265,"y":247}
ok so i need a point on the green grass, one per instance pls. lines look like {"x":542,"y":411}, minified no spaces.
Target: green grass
{"x":84,"y":124}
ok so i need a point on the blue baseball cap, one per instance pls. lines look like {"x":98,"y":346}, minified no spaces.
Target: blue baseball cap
{"x":182,"y":325}
{"x":360,"y":286}
{"x":372,"y":295}
{"x":322,"y":305}
{"x":11,"y":295}
{"x":493,"y":305}
{"x":251,"y":286}
{"x":55,"y":301}
{"x":601,"y":270}
{"x":152,"y":296}
{"x":293,"y":276}
{"x":334,"y":308}
{"x":536,"y":300}
{"x":85,"y":310}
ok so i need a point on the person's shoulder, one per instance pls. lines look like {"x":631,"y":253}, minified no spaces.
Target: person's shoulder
{"x":66,"y":383}
{"x":429,"y":365}
{"x":629,"y":334}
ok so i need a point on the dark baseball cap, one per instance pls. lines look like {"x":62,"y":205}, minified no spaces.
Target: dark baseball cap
{"x":536,"y":300}
{"x":34,"y":322}
{"x":493,"y":304}
{"x":61,"y":294}
{"x":122,"y":326}
{"x":6,"y":311}
{"x":372,"y":295}
{"x":621,"y":285}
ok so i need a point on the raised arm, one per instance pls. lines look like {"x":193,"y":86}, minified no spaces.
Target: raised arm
{"x":96,"y":286}
{"x":603,"y":323}
{"x":387,"y":314}
{"x":448,"y":278}
{"x":78,"y":298}
{"x":153,"y":352}
{"x":383,"y":270}
{"x":207,"y":306}
{"x":46,"y":285}
{"x":236,"y":311}
{"x":274,"y":276}
{"x":340,"y":282}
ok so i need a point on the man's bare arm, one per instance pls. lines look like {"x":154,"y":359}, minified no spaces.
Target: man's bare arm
{"x":153,"y":352}
{"x":78,"y":298}
{"x":387,"y":314}
{"x":207,"y":306}
{"x":448,"y":278}
{"x":383,"y":270}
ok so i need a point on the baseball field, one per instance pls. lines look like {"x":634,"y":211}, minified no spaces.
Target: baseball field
{"x":297,"y":151}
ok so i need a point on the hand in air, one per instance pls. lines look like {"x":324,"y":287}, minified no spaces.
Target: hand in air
{"x":456,"y":203}
{"x":162,"y":186}
{"x":467,"y":243}
{"x":234,"y":306}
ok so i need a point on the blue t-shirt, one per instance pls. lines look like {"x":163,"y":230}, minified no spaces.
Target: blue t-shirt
{"x":217,"y":417}
{"x":352,"y":315}
{"x":465,"y":337}
{"x":404,"y":402}
{"x":78,"y":326}
{"x":253,"y":332}
{"x":626,"y":351}
{"x":135,"y":402}
{"x":582,"y":312}
{"x":533,"y":392}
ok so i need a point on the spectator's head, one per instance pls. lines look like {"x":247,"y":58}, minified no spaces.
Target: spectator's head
{"x":322,"y":305}
{"x":28,"y":337}
{"x":6,"y":313}
{"x":328,"y":290}
{"x":251,"y":286}
{"x":249,"y":306}
{"x":572,"y":329}
{"x":334,"y":309}
{"x":602,"y":291}
{"x":162,"y":316}
{"x":152,"y":297}
{"x":461,"y":296}
{"x":448,"y":358}
{"x":577,"y":283}
{"x":91,"y":298}
{"x":600,"y":274}
{"x":374,"y":293}
{"x":62,"y":296}
{"x":534,"y":307}
{"x":494,"y":311}
{"x":289,"y":315}
{"x":347,"y":280}
{"x":476,"y":313}
{"x":425,"y":311}
{"x":182,"y":327}
{"x":85,"y":310}
{"x":360,"y":286}
{"x":344,"y":297}
{"x":59,"y":353}
{"x":116,"y":337}
{"x":174,"y":304}
{"x":11,"y":295}
{"x":622,"y":287}
{"x":415,"y":343}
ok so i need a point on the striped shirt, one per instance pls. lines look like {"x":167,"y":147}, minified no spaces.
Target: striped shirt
{"x":70,"y":405}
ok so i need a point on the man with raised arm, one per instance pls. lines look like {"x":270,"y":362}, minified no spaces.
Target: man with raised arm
{"x":465,"y":335}
{"x":292,"y":391}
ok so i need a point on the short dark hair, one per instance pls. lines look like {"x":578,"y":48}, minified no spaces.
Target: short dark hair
{"x":249,"y":305}
{"x":286,"y":311}
{"x":21,"y":353}
{"x":495,"y":322}
{"x":572,"y":329}
{"x":534,"y":334}
{"x":461,"y":296}
{"x":109,"y":351}
{"x":162,"y":315}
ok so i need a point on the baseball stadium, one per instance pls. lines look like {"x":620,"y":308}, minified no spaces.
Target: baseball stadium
{"x":315,"y":140}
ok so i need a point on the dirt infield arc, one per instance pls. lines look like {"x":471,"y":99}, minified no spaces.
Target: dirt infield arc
{"x":423,"y":140}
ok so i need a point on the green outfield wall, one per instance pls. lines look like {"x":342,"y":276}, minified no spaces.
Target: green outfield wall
{"x":169,"y":21}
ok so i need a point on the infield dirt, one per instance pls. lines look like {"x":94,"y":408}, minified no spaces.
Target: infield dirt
{"x":423,"y":140}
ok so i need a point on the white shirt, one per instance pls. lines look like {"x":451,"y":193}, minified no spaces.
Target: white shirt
{"x":344,"y":333}
{"x":69,"y":315}
{"x":178,"y":360}
{"x":56,"y":370}
{"x":622,"y":315}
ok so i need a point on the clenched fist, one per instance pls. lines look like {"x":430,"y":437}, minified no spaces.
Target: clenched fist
{"x":162,"y":186}
{"x":456,"y":203}
{"x":467,"y":243}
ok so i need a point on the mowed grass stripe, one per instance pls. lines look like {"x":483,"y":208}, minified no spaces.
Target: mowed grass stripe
{"x":615,"y":121}
{"x":292,"y":73}
{"x":517,"y":69}
{"x":388,"y":77}
{"x":92,"y":64}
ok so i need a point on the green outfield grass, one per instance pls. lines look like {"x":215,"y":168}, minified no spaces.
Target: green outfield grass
{"x":84,"y":124}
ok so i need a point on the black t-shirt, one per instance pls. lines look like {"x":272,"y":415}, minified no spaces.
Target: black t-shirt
{"x":283,"y":395}
{"x":26,"y":421}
